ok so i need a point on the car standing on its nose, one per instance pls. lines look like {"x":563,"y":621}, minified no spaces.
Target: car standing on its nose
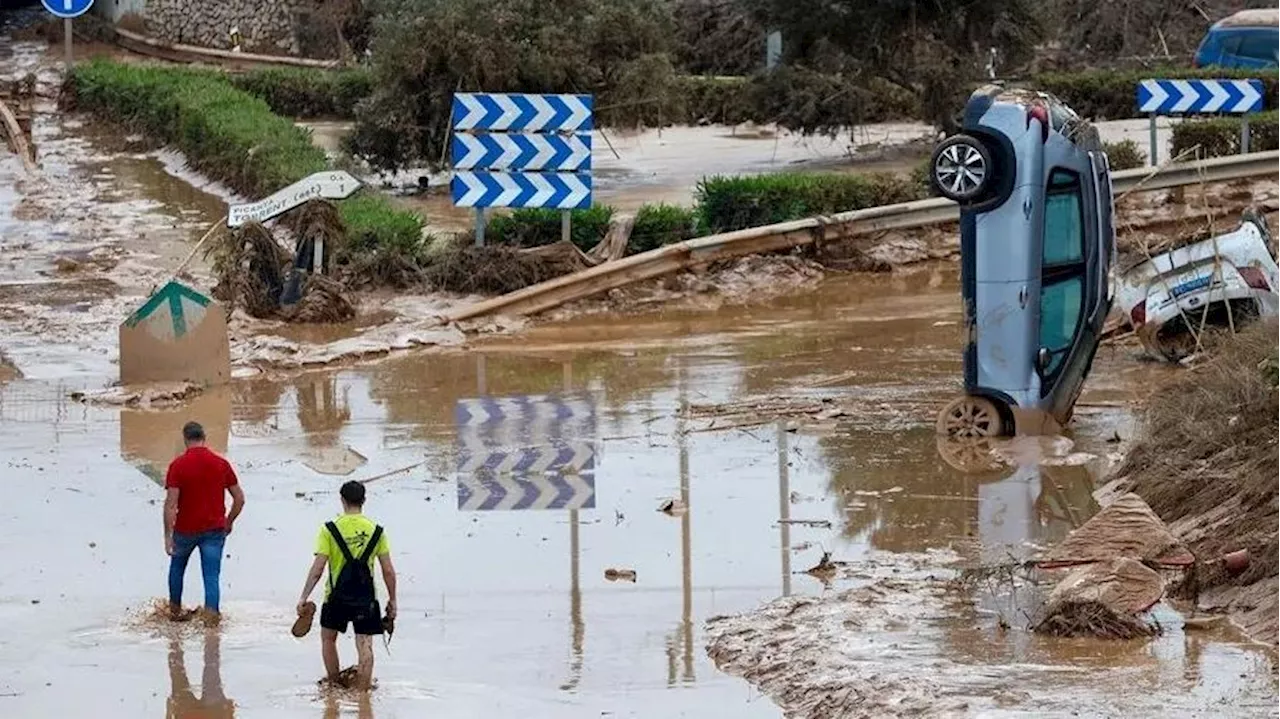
{"x":1036,"y":245}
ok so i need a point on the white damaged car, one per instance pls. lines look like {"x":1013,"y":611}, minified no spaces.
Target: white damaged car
{"x":1221,"y":281}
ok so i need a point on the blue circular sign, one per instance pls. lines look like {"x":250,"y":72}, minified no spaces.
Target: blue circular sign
{"x":67,"y":8}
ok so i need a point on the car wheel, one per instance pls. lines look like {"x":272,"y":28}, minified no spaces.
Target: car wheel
{"x":970,"y":416}
{"x":961,"y":168}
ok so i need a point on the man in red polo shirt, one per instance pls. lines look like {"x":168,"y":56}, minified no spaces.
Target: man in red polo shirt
{"x":196,"y":517}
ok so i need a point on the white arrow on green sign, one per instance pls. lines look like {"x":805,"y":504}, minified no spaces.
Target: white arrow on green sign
{"x":330,"y":185}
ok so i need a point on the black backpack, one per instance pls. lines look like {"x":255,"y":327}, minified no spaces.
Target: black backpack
{"x":353,"y":588}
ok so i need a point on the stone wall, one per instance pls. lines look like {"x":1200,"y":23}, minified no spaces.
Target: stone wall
{"x":266,"y":26}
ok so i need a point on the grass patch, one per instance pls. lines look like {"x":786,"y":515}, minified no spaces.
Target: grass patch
{"x":538,"y":227}
{"x":231,"y":136}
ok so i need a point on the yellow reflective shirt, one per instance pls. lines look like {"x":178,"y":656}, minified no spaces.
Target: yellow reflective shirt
{"x":357,"y":530}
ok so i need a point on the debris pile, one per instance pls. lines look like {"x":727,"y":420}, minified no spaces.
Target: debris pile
{"x":1112,"y":582}
{"x":255,"y":273}
{"x":1207,"y":465}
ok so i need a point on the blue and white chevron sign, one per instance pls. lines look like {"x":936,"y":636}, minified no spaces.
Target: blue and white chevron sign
{"x":555,"y":190}
{"x":563,"y":153}
{"x":1178,"y":97}
{"x":490,"y":410}
{"x":572,"y":457}
{"x":512,"y":493}
{"x":521,"y":113}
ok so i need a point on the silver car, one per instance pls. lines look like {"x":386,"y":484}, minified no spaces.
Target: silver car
{"x":1036,"y":245}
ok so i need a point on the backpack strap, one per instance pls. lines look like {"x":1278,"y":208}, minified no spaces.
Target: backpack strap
{"x":369,"y":548}
{"x":342,"y":543}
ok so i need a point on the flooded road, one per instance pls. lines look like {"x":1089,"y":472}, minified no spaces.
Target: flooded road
{"x":507,"y":611}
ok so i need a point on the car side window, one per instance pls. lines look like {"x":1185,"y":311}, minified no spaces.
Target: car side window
{"x":1060,"y":304}
{"x":1257,"y":45}
{"x":1063,"y":220}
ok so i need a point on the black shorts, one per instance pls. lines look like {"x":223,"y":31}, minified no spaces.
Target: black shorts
{"x":337,"y":617}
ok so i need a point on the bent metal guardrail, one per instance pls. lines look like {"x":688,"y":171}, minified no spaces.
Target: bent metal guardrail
{"x":770,"y":238}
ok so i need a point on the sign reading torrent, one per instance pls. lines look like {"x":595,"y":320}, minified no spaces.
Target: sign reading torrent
{"x":330,"y":185}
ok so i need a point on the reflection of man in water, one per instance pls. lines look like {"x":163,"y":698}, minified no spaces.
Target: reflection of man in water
{"x":196,"y":517}
{"x":212,"y":704}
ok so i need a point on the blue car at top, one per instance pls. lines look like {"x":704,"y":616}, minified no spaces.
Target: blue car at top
{"x":1248,"y":40}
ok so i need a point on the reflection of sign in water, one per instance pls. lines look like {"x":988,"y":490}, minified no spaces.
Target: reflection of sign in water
{"x":177,"y":335}
{"x":525,"y":452}
{"x":151,"y":438}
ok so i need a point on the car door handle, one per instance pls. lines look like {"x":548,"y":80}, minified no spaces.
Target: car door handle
{"x":1022,"y":297}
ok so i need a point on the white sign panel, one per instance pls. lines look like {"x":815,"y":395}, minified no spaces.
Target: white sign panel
{"x":333,"y":185}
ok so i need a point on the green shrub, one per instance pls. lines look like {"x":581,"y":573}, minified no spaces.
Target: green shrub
{"x":538,"y":227}
{"x":658,"y":225}
{"x":306,"y":92}
{"x":1113,"y":94}
{"x":1220,"y":136}
{"x":227,"y":135}
{"x":1124,"y":155}
{"x":733,"y":203}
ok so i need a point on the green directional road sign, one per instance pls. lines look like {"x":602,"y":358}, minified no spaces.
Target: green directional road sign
{"x":169,"y":312}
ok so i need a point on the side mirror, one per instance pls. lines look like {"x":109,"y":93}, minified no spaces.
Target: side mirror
{"x":1042,"y":359}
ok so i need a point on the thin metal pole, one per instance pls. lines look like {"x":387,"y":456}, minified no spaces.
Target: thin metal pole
{"x":479,"y":227}
{"x":686,"y":543}
{"x":566,"y":220}
{"x":66,"y":40}
{"x":1155,"y":146}
{"x":1244,"y":134}
{"x":784,"y":509}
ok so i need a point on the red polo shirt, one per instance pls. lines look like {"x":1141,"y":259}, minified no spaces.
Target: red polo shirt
{"x":201,"y":478}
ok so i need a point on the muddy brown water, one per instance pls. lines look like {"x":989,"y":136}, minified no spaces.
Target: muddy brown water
{"x":508,"y":612}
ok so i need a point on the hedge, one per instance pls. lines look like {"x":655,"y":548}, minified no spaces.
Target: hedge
{"x":1220,"y":136}
{"x":306,"y":92}
{"x":655,"y":226}
{"x":725,"y":204}
{"x":229,"y":136}
{"x":1112,"y":94}
{"x":1124,"y":155}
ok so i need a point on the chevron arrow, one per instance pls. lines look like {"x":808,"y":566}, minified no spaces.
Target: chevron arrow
{"x":1176,"y":97}
{"x":521,"y":152}
{"x":522,"y":112}
{"x":560,"y":191}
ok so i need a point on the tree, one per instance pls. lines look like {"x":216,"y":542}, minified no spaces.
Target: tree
{"x":935,"y":49}
{"x":426,"y":50}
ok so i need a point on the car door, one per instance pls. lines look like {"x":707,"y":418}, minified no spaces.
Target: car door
{"x":1070,"y":222}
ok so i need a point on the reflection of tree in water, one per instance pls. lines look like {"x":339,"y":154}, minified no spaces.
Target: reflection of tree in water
{"x":320,"y":412}
{"x":255,"y":400}
{"x":419,"y":393}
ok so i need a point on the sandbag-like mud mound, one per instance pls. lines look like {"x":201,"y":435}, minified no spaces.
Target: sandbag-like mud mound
{"x":1104,"y":600}
{"x":1207,"y":465}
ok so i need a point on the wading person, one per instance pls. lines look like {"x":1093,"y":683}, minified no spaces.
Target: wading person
{"x":348,"y":545}
{"x":196,"y":516}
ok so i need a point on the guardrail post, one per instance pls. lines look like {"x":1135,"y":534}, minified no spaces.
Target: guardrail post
{"x":479,"y":227}
{"x":1244,"y":134}
{"x":1155,"y":142}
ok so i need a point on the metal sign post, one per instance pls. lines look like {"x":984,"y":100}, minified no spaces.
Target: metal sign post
{"x":67,"y":9}
{"x":1190,"y":97}
{"x":516,"y":150}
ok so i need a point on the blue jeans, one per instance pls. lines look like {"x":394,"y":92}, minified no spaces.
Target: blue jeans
{"x":210,"y":544}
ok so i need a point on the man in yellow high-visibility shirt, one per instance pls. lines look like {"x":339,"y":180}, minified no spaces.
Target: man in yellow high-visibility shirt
{"x":348,"y":545}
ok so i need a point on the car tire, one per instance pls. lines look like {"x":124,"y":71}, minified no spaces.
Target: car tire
{"x":970,"y":416}
{"x":960,"y":169}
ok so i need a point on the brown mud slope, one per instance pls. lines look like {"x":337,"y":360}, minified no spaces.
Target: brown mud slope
{"x":1207,"y":465}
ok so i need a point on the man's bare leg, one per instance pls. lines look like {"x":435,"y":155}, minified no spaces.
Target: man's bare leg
{"x":329,"y":652}
{"x":364,"y":661}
